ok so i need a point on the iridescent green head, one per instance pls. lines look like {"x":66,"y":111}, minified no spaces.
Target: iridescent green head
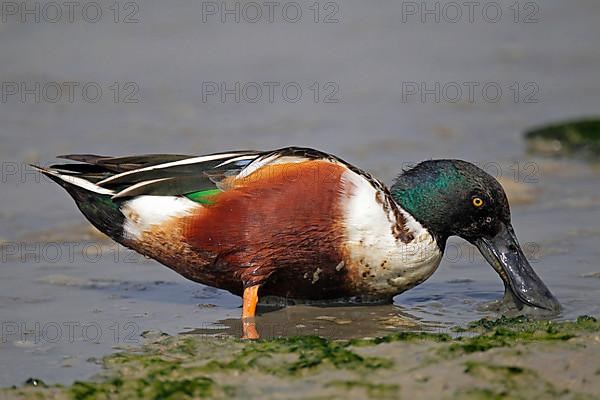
{"x":454,"y":197}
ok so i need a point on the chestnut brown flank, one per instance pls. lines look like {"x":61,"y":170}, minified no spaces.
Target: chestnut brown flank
{"x":280,"y":226}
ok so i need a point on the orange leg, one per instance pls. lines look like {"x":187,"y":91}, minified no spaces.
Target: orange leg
{"x":248,"y":311}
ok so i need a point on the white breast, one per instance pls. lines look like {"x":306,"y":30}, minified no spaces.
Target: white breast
{"x":385,"y":264}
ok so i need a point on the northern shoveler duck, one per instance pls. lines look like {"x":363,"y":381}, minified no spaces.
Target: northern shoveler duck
{"x":298,"y":223}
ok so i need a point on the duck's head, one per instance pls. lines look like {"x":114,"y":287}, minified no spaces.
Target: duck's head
{"x":456,"y":198}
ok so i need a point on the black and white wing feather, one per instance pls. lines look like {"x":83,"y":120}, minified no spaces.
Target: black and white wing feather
{"x":175,"y":174}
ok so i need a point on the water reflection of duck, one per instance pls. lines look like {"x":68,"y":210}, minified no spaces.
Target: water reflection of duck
{"x":298,"y":223}
{"x":346,"y":322}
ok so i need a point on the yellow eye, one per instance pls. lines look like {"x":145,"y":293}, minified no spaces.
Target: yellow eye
{"x":477,"y":201}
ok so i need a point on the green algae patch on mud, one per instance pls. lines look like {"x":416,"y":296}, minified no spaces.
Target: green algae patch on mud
{"x":307,"y":352}
{"x":401,"y":337}
{"x":402,"y":364}
{"x":512,"y":382}
{"x":522,"y":323}
{"x":504,"y":332}
{"x":151,"y":387}
{"x":576,"y":137}
{"x":372,"y":390}
{"x":164,"y":369}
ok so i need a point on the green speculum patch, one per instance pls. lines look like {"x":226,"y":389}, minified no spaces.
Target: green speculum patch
{"x":203,"y":196}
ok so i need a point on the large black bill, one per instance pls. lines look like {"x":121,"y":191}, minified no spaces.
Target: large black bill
{"x":505,"y":255}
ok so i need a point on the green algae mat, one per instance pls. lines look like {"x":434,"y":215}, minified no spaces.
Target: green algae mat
{"x":490,"y":359}
{"x":569,"y":138}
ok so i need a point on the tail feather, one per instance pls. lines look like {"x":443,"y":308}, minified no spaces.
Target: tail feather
{"x":79,"y":168}
{"x":124,"y":163}
{"x":85,"y":158}
{"x":92,"y":200}
{"x":67,"y":181}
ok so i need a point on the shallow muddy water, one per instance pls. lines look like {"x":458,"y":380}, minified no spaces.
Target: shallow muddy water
{"x":68,"y":296}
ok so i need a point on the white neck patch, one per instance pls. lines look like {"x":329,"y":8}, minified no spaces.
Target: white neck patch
{"x":386,"y":264}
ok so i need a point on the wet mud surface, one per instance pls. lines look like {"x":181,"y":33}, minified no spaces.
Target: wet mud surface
{"x":505,"y":358}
